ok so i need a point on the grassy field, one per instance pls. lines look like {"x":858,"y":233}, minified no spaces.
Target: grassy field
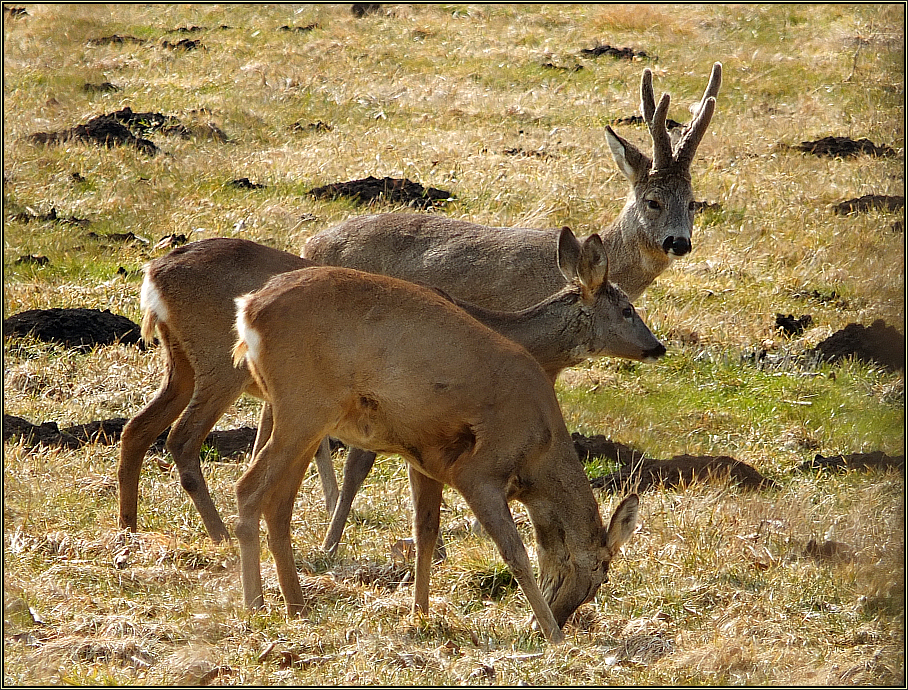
{"x":718,"y":586}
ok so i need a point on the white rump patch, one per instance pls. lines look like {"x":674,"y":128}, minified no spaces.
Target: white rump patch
{"x":247,"y":334}
{"x":150,"y":299}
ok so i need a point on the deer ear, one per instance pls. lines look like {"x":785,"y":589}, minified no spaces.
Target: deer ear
{"x":622,"y":525}
{"x":632,"y":162}
{"x":568,"y":254}
{"x":592,"y":270}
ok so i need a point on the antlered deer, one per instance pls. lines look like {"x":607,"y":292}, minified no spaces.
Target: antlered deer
{"x":512,"y":268}
{"x":395,"y":367}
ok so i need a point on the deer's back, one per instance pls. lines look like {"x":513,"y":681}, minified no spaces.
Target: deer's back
{"x":408,"y":371}
{"x":196,"y":285}
{"x":497,"y":268}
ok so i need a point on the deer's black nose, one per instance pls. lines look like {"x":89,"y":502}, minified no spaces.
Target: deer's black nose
{"x":654,"y":353}
{"x":679,"y":246}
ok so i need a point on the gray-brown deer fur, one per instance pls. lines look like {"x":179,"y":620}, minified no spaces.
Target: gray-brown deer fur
{"x":391,"y":366}
{"x":511,"y":268}
{"x":188,"y":296}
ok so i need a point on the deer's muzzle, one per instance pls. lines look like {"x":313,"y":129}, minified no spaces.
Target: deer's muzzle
{"x":679,"y":246}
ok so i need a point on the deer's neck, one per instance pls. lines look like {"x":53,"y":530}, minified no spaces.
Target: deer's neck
{"x":634,"y":260}
{"x":548,"y":331}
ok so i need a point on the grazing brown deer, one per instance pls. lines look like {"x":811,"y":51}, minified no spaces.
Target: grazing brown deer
{"x":466,"y":259}
{"x":395,"y":367}
{"x":188,"y":296}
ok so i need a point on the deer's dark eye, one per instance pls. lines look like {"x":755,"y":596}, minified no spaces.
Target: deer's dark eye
{"x":628,"y":312}
{"x":653,"y":205}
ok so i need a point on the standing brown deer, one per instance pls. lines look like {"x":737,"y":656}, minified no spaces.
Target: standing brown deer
{"x":395,"y":367}
{"x":467,"y":260}
{"x":188,"y":296}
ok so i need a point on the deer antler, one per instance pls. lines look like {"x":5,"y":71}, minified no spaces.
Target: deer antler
{"x":655,"y":116}
{"x":696,"y":128}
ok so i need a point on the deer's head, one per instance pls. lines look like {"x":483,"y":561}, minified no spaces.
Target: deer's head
{"x":662,"y":198}
{"x":571,"y":577}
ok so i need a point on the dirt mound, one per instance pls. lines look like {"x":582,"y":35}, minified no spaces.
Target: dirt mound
{"x":843,"y":147}
{"x":126,"y":128}
{"x":49,"y":217}
{"x":638,"y":121}
{"x":876,"y":460}
{"x":863,"y":204}
{"x":77,"y":328}
{"x":388,"y":189}
{"x":599,"y":446}
{"x":228,"y":444}
{"x":682,"y":470}
{"x":639,"y":472}
{"x":103,"y":130}
{"x":617,"y":53}
{"x":876,"y":344}
{"x":789,"y":325}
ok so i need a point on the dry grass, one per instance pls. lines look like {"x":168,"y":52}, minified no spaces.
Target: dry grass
{"x":718,"y":586}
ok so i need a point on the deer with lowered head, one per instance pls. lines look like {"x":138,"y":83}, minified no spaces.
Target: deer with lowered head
{"x":511,"y":268}
{"x":395,"y":367}
{"x":187,"y":296}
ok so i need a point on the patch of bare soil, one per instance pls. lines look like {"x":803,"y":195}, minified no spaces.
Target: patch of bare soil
{"x":361,"y":9}
{"x":791,"y":326}
{"x":245,"y":183}
{"x":842,"y":147}
{"x":78,"y":328}
{"x":103,"y":130}
{"x":231,"y":443}
{"x":388,"y":189}
{"x":639,"y":472}
{"x":638,"y":121}
{"x":184,"y":44}
{"x":682,"y":470}
{"x":51,"y":216}
{"x":863,"y":204}
{"x":115,"y":39}
{"x":103,"y":87}
{"x":617,"y":53}
{"x":876,"y":344}
{"x":876,"y":460}
{"x":126,"y":128}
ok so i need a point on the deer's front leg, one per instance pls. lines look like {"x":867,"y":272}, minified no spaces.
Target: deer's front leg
{"x":426,"y":494}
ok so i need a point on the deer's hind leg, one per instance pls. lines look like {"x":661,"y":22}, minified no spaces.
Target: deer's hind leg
{"x":357,"y":466}
{"x":141,"y":431}
{"x":211,"y":398}
{"x":268,"y":488}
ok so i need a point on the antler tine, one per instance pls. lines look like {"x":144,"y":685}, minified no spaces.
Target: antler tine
{"x":712,"y":89}
{"x":647,"y":97}
{"x":696,"y":128}
{"x":662,"y":143}
{"x":693,"y":135}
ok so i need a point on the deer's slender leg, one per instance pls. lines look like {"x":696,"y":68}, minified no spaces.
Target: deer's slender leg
{"x":209,"y":402}
{"x":356,"y":468}
{"x":326,"y":474}
{"x":142,"y":430}
{"x":426,"y":493}
{"x":277,"y":510}
{"x":489,"y":503}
